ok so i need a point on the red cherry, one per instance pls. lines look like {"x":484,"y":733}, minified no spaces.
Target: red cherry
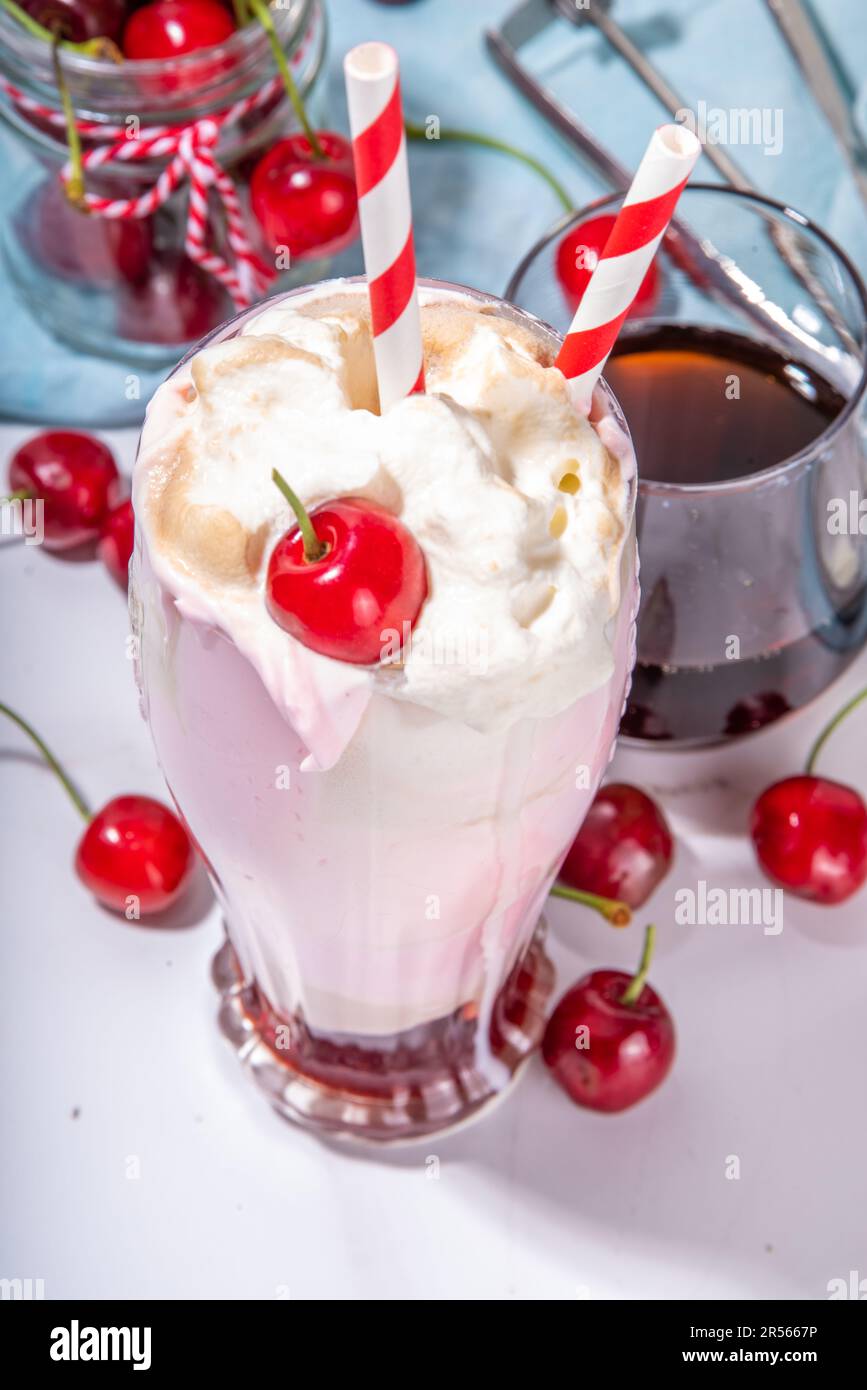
{"x":623,"y":849}
{"x":135,"y":847}
{"x":170,"y":28}
{"x":755,"y":711}
{"x":116,"y":541}
{"x":640,"y":722}
{"x":577,"y":257}
{"x":75,"y":476}
{"x":370,"y":581}
{"x":608,"y":1049}
{"x":176,"y":303}
{"x":307,"y":204}
{"x":79,"y":20}
{"x":96,"y":251}
{"x":810,"y":836}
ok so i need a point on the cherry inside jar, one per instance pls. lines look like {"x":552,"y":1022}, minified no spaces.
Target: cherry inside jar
{"x":126,"y":286}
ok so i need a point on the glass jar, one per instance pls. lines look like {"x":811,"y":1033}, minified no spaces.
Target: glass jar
{"x":125,"y":288}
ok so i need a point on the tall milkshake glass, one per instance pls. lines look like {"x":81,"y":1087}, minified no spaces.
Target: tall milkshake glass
{"x":382,"y":865}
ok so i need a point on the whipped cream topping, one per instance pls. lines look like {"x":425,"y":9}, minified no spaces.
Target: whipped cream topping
{"x":519,"y":507}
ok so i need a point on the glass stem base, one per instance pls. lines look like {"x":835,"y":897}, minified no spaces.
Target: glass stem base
{"x":428,"y":1079}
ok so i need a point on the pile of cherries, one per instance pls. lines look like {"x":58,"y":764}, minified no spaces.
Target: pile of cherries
{"x":610,"y":1040}
{"x":301,"y":192}
{"x":161,"y":29}
{"x":135,"y":855}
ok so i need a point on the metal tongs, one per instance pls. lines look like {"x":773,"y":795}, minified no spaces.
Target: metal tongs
{"x":822,"y":76}
{"x":697,"y":256}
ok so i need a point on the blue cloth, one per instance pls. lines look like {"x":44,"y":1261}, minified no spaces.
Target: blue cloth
{"x":477,"y":212}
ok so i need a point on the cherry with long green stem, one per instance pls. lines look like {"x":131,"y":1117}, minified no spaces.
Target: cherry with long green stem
{"x":810,"y":833}
{"x":135,"y":856}
{"x":57,"y":35}
{"x":57,"y":767}
{"x":611,"y":1041}
{"x":303,"y":191}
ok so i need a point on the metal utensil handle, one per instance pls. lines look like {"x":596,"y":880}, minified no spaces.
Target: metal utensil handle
{"x":700,"y":260}
{"x":783,"y":238}
{"x":559,"y":116}
{"x":816,"y":68}
{"x":653,"y":79}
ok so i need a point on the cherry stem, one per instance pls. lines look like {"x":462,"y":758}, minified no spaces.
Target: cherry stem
{"x":489,"y":142}
{"x":22,"y":495}
{"x":90,"y":48}
{"x":242,"y":15}
{"x":74,"y":187}
{"x":831,"y":726}
{"x":263,"y":14}
{"x":617,"y":913}
{"x":314,"y":548}
{"x":632,"y":993}
{"x":75,"y":796}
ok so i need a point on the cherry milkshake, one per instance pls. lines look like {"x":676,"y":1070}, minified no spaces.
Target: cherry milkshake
{"x":382,"y":833}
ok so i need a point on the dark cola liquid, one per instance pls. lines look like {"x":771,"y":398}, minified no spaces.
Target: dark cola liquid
{"x":708,"y":406}
{"x":677,"y":385}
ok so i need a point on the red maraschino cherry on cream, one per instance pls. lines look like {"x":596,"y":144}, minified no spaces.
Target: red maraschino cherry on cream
{"x":345,"y":577}
{"x":351,"y":574}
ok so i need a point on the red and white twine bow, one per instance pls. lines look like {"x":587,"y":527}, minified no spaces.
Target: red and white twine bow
{"x":190,"y":152}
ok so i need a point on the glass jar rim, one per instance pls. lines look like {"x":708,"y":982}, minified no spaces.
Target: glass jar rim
{"x":27,"y":61}
{"x":804,"y":458}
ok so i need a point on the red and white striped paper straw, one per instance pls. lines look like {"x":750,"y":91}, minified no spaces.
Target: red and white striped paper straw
{"x":379,"y":148}
{"x":640,"y":226}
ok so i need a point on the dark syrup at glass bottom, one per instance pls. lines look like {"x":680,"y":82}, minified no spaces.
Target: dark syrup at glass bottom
{"x":734,"y":697}
{"x":676,"y":386}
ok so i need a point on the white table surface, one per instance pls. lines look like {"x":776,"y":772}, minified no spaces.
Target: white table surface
{"x":139,"y":1162}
